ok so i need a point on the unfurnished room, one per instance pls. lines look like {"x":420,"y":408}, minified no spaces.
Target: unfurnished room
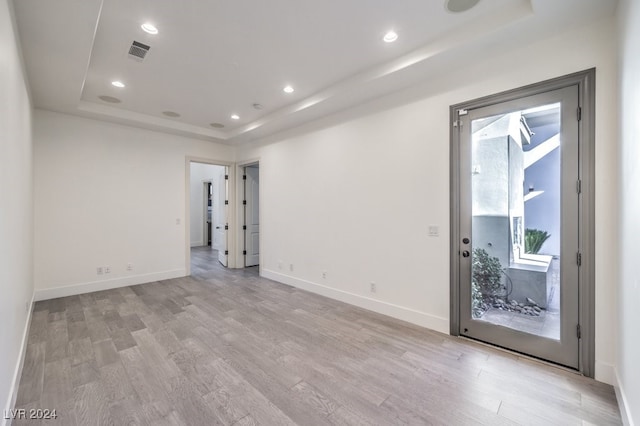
{"x":319,"y":213}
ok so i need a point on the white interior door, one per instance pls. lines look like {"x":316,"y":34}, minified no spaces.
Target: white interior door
{"x":252,"y":216}
{"x":218,"y":210}
{"x":222,"y":226}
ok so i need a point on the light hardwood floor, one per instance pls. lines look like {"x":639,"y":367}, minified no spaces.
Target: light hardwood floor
{"x":228,"y":347}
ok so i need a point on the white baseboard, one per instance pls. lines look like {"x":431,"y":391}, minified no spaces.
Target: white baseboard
{"x":197,"y":243}
{"x":406,"y":314}
{"x":623,"y":403}
{"x":605,"y":373}
{"x":13,"y":391}
{"x":72,"y":290}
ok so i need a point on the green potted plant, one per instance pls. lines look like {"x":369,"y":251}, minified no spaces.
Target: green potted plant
{"x":534,"y":239}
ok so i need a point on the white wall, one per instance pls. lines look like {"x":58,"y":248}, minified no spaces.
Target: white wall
{"x":16,"y":206}
{"x":629,"y":227}
{"x":199,"y":174}
{"x":354,"y":194}
{"x":109,"y":195}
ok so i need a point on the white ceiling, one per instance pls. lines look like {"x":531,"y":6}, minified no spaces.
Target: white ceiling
{"x":215,"y":58}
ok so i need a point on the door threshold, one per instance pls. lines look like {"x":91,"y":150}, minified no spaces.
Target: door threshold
{"x":522,"y":355}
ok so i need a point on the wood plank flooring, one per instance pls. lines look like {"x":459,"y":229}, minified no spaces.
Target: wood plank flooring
{"x":226,"y":347}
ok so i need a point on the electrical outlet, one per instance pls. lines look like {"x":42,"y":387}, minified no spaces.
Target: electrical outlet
{"x":324,"y":275}
{"x":373,"y":287}
{"x":99,"y":270}
{"x":434,"y":230}
{"x":107,"y":269}
{"x":129,"y":267}
{"x":291,"y":267}
{"x":178,"y":221}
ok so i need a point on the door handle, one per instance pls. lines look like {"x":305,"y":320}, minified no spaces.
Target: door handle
{"x":465,"y":253}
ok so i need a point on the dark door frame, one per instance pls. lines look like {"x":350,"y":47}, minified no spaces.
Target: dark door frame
{"x":586,"y":88}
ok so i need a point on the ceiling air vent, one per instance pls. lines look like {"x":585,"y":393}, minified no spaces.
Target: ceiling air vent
{"x":138,"y":51}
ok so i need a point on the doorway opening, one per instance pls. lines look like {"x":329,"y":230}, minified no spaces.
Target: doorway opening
{"x":207,"y":216}
{"x":251,"y":214}
{"x":522,"y":206}
{"x":208,"y":188}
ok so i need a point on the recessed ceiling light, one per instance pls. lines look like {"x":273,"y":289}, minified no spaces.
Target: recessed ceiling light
{"x":217,"y":125}
{"x":118,"y":84}
{"x":149,"y":28}
{"x":235,"y":117}
{"x":110,"y":99}
{"x":390,"y":37}
{"x":171,"y":114}
{"x":288,"y":89}
{"x":457,"y":6}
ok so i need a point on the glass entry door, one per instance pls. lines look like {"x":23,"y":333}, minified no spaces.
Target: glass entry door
{"x":519,"y":225}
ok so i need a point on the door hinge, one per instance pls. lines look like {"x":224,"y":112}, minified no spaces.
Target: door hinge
{"x":226,"y":202}
{"x":244,"y":252}
{"x":461,"y":112}
{"x":226,"y":177}
{"x":244,"y":227}
{"x":244,"y":202}
{"x":226,"y":252}
{"x":226,"y":227}
{"x":579,"y":186}
{"x":578,"y":331}
{"x":579,"y":259}
{"x":579,"y":113}
{"x":244,"y":177}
